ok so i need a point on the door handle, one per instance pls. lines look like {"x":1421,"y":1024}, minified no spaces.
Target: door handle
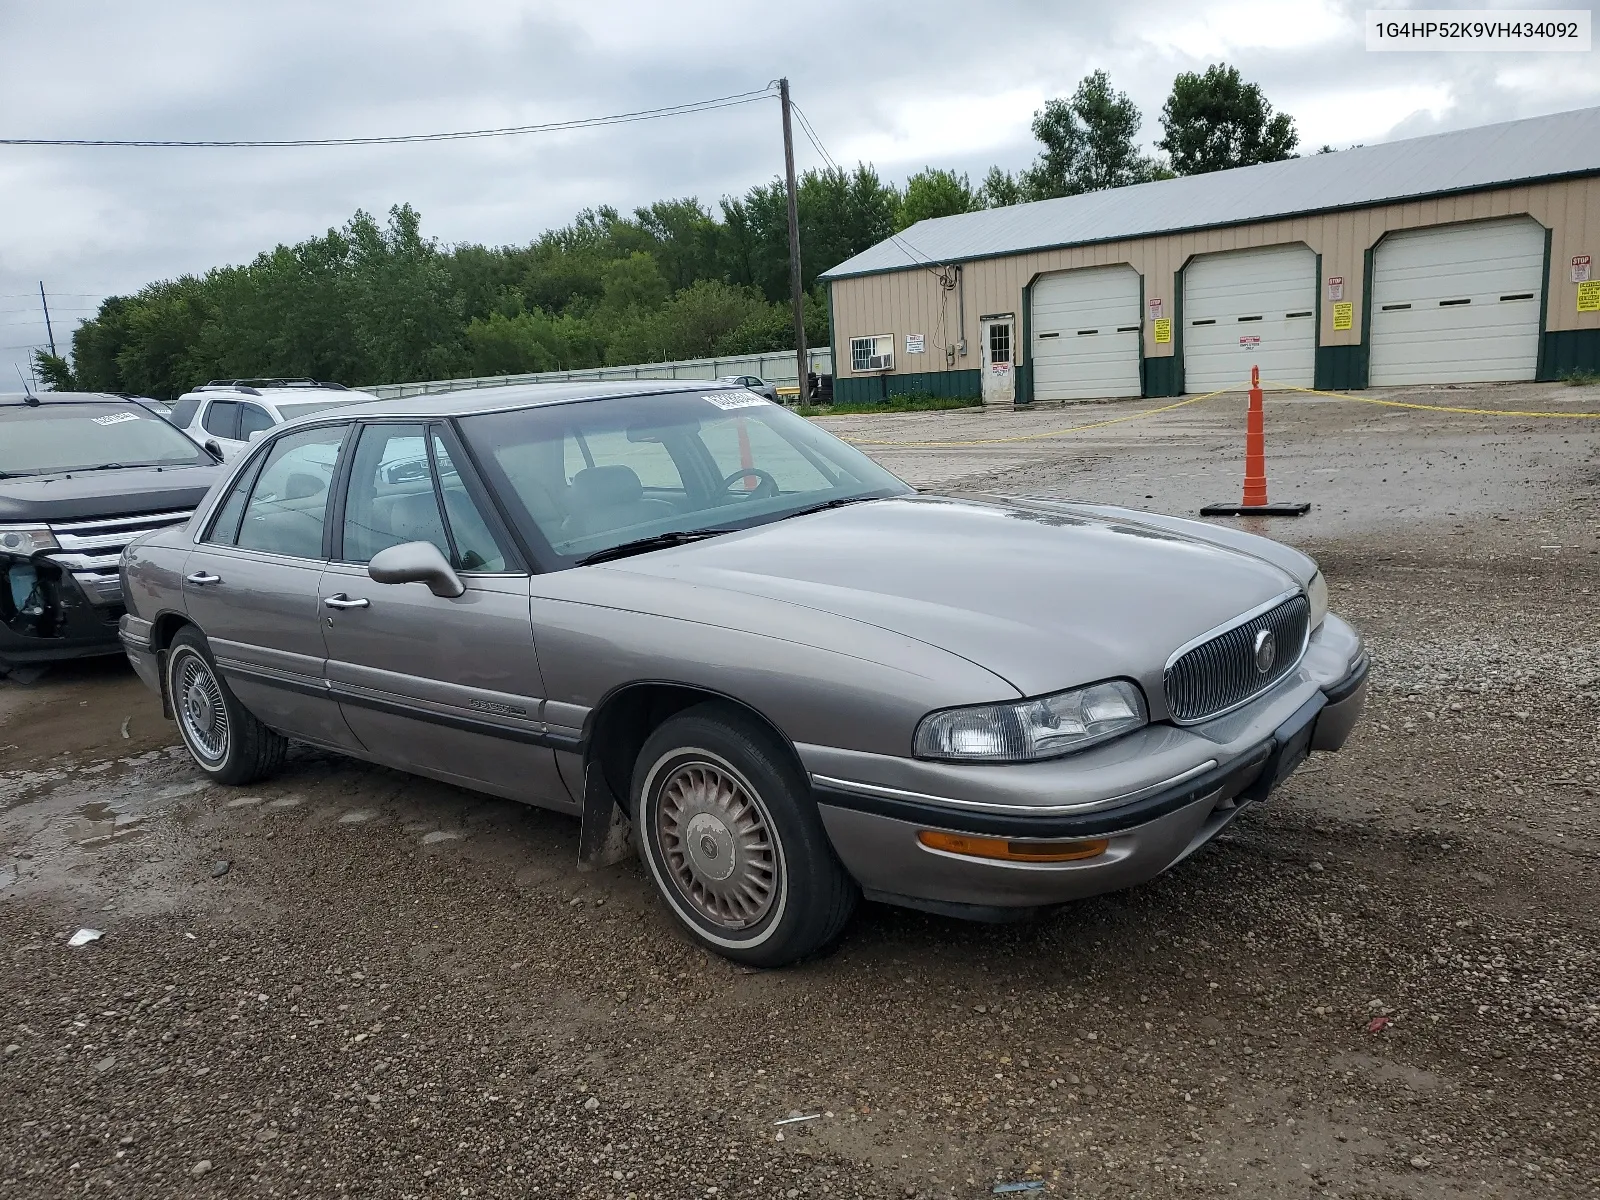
{"x":201,"y":578}
{"x":343,"y":601}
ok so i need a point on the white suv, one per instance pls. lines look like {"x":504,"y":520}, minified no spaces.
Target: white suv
{"x":226,"y":412}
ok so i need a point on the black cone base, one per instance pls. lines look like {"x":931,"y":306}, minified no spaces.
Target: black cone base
{"x":1255,"y":510}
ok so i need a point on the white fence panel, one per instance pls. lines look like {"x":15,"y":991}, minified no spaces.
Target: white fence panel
{"x":775,"y":367}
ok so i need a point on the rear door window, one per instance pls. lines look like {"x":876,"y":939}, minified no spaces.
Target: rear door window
{"x":288,"y":505}
{"x":222,"y":419}
{"x":252,"y":419}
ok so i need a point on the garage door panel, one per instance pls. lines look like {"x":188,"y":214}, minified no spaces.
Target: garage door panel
{"x":1085,"y":334}
{"x":1248,"y":308}
{"x":1458,"y":304}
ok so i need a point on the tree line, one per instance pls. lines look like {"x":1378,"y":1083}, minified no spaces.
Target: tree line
{"x":379,"y":302}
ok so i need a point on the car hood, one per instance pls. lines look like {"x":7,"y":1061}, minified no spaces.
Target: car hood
{"x":121,"y":493}
{"x":1047,"y":596}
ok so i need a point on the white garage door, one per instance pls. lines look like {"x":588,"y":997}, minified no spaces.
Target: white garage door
{"x":1457,"y":305}
{"x":1250,"y":308}
{"x":1085,"y":328}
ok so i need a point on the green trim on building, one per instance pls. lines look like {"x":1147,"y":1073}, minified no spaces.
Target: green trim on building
{"x":833,"y":336}
{"x":1177,"y":330}
{"x":875,"y":389}
{"x":1544,"y":308}
{"x":1365,"y":379}
{"x":1161,"y":377}
{"x":1563,"y":351}
{"x":1020,"y":360}
{"x":1341,"y":368}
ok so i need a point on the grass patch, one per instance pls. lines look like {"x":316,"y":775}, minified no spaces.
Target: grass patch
{"x":895,"y":404}
{"x":1580,"y":377}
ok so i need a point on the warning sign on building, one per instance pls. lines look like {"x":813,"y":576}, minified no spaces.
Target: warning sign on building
{"x":1580,"y":268}
{"x":914,"y":344}
{"x":1343,"y":314}
{"x":1158,"y":309}
{"x":1335,"y":287}
{"x":1250,"y":341}
{"x":1589,"y":296}
{"x":1163,"y":328}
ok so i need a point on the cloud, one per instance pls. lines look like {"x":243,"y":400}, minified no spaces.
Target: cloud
{"x":938,"y":83}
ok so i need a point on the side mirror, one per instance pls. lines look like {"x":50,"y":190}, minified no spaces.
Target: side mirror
{"x":213,"y":449}
{"x":416,"y":562}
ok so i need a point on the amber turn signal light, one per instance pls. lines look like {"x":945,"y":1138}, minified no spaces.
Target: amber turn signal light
{"x":1000,"y":848}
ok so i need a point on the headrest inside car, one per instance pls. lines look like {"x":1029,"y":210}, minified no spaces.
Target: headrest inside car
{"x":604,"y":487}
{"x":300,"y":486}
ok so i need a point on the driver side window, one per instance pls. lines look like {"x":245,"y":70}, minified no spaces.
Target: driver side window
{"x":289,"y":502}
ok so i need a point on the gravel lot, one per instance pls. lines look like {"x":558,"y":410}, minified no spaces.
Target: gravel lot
{"x":1385,"y":983}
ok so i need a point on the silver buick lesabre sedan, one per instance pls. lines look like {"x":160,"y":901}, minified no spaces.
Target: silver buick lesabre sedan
{"x":800,"y":680}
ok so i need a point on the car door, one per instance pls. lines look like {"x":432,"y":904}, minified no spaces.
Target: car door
{"x":443,"y":686}
{"x":251,"y":585}
{"x":220,"y":424}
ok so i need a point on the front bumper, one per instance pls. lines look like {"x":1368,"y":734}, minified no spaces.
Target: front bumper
{"x":46,"y":615}
{"x":1156,"y":796}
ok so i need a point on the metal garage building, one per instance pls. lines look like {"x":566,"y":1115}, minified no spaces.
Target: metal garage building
{"x":1453,"y":258}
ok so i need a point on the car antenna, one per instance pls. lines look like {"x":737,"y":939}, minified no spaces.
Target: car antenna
{"x":27,"y":393}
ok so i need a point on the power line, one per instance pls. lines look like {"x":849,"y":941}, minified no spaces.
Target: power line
{"x":649,"y":114}
{"x":917,"y":256}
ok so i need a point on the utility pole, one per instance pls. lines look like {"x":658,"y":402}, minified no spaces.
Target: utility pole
{"x":794,"y":246}
{"x":51,"y":333}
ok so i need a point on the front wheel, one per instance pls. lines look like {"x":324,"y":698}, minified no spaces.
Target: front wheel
{"x":221,"y":735}
{"x":733,"y":841}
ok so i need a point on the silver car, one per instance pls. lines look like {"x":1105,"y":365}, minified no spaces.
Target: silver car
{"x":802,"y":682}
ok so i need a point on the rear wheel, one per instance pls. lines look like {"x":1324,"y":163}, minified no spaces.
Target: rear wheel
{"x":223,"y":738}
{"x":730,"y":834}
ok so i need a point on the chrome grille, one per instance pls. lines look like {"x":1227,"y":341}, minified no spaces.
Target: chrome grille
{"x":1221,"y":673}
{"x":92,"y":549}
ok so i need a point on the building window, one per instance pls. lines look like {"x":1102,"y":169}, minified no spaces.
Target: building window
{"x":1000,"y":343}
{"x":875,"y":353}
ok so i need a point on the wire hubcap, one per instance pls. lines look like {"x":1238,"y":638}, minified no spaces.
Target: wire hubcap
{"x":717,"y":845}
{"x":204,"y":716}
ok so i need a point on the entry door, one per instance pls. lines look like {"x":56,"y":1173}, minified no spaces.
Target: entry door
{"x":252,"y":587}
{"x":999,"y":377}
{"x":447,"y":687}
{"x":1459,"y":304}
{"x":1247,"y":308}
{"x":1085,"y":330}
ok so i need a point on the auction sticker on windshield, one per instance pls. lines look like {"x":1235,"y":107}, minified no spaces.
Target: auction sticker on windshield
{"x":726,"y":400}
{"x":115,"y":418}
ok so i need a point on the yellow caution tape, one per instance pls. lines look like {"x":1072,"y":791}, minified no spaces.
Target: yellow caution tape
{"x":1265,"y":384}
{"x":1479,"y":412}
{"x":1053,"y":433}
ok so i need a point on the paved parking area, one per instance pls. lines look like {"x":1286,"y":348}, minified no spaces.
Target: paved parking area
{"x":1386,"y":983}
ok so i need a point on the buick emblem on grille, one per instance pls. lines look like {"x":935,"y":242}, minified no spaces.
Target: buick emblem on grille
{"x":1266,"y":650}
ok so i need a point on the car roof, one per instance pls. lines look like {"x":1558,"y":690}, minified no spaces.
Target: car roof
{"x":523,"y":395}
{"x":19,"y":398}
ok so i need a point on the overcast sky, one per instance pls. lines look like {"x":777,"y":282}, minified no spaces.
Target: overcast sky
{"x":899,"y":85}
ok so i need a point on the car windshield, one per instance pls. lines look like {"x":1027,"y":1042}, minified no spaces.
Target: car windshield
{"x":290,"y":409}
{"x":585,"y":478}
{"x":56,"y":437}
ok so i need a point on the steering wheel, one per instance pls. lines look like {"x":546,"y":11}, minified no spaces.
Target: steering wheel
{"x":765,"y":490}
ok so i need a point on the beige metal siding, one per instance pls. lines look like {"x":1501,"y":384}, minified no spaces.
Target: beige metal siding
{"x":905,"y":302}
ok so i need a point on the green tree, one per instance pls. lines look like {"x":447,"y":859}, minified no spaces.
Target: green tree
{"x":55,"y":371}
{"x":631,"y":283}
{"x":933,"y":192}
{"x":1216,"y":121}
{"x":1088,"y":143}
{"x":1000,"y":189}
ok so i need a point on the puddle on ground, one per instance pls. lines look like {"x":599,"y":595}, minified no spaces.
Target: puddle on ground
{"x":100,"y":821}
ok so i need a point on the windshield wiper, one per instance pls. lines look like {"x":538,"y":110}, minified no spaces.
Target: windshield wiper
{"x":838,"y":502}
{"x":644,"y":545}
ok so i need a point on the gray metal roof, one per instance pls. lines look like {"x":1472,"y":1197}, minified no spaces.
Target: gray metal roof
{"x":1466,"y":160}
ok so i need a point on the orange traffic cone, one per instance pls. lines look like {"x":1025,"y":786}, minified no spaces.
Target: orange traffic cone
{"x":1255,"y":503}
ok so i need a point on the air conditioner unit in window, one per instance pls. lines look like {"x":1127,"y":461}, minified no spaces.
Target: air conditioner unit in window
{"x":881,"y":362}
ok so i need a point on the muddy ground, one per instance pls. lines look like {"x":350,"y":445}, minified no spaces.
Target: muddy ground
{"x":353,"y":982}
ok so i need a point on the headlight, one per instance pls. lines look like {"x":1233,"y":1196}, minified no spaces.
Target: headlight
{"x":1029,"y":730}
{"x":24,"y":540}
{"x":1317,"y":593}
